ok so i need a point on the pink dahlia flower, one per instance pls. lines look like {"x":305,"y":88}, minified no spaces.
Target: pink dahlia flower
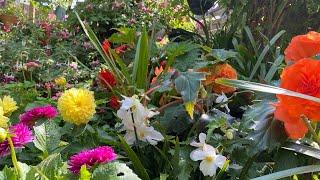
{"x":91,"y":157}
{"x":32,"y":115}
{"x":21,"y":135}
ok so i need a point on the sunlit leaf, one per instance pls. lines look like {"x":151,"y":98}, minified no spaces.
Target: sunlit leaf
{"x":189,"y":106}
{"x":290,"y":172}
{"x":263,"y":88}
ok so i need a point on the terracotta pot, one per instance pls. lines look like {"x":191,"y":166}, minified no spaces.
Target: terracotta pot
{"x":8,"y":20}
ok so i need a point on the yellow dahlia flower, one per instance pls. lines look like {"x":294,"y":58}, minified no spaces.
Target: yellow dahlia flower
{"x":8,"y":104}
{"x":61,"y":81}
{"x":77,"y":106}
{"x":3,"y":120}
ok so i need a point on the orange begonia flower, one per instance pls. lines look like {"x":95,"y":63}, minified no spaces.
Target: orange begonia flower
{"x":219,"y":71}
{"x":302,"y":77}
{"x":303,"y":46}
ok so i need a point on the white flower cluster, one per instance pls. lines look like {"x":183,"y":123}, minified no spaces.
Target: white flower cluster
{"x":210,"y":161}
{"x":135,"y":120}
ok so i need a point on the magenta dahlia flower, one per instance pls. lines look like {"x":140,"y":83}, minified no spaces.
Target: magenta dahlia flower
{"x":20,"y":135}
{"x":32,"y":115}
{"x":91,"y":157}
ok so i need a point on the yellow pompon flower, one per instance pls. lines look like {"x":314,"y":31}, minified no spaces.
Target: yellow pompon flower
{"x":77,"y":106}
{"x":3,"y":120}
{"x":9,"y":105}
{"x":61,"y":81}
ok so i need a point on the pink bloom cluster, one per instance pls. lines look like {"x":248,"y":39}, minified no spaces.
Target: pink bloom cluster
{"x":21,"y":135}
{"x":31,"y":116}
{"x":91,"y":157}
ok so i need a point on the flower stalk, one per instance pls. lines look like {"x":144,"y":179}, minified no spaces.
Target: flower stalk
{"x":311,"y":129}
{"x":14,"y":157}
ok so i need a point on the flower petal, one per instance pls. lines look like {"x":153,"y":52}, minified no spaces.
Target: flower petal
{"x":220,"y":160}
{"x":202,"y":137}
{"x":197,"y":155}
{"x":208,"y":168}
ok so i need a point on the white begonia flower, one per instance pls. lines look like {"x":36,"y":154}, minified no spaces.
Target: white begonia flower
{"x":210,"y":161}
{"x":135,"y":116}
{"x":223,"y":99}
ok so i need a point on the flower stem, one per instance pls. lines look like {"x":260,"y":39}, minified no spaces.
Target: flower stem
{"x":13,"y":156}
{"x":312,"y":131}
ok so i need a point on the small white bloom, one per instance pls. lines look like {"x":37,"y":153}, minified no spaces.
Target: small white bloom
{"x":210,"y":161}
{"x":223,"y":99}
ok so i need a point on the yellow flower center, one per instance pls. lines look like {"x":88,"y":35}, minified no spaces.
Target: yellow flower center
{"x":142,"y":134}
{"x":209,"y":158}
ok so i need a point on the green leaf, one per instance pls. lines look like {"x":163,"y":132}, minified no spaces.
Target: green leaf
{"x":222,"y":55}
{"x":188,"y":85}
{"x":140,"y":66}
{"x":114,"y":171}
{"x":125,"y":36}
{"x":137,"y":165}
{"x":47,"y":169}
{"x":174,"y":49}
{"x":215,"y":122}
{"x":47,"y":136}
{"x":290,"y":172}
{"x":267,"y":133}
{"x":84,"y":173}
{"x":274,"y":68}
{"x":175,"y":119}
{"x":163,"y":176}
{"x":263,"y":88}
{"x":9,"y":174}
{"x":95,"y":41}
{"x":24,"y":169}
{"x":264,"y":53}
{"x":188,"y":60}
{"x":252,"y":41}
{"x":303,"y":149}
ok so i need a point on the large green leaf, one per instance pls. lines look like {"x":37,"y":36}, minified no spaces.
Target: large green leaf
{"x":47,"y":136}
{"x":114,"y":171}
{"x":266,"y":132}
{"x":290,"y":172}
{"x":188,"y":85}
{"x":137,"y":165}
{"x":175,"y":119}
{"x":264,"y":88}
{"x":189,"y":60}
{"x":47,"y":169}
{"x":140,"y":66}
{"x":174,"y":49}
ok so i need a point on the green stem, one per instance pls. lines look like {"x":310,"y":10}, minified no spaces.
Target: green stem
{"x":14,"y":157}
{"x":311,"y":130}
